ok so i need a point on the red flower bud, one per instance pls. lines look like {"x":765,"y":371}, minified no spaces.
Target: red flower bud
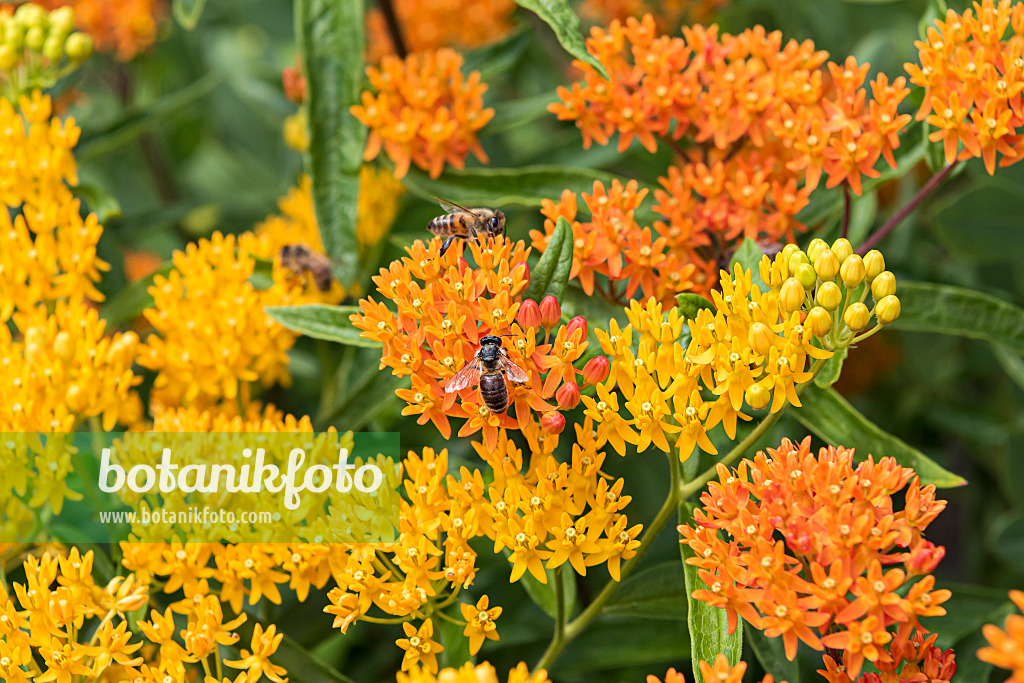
{"x":529,"y":314}
{"x":294,"y":84}
{"x":577,"y":323}
{"x":552,"y":423}
{"x":925,"y":558}
{"x":596,"y":370}
{"x":568,"y":396}
{"x":550,"y":312}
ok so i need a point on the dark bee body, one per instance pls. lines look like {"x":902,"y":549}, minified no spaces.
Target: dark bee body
{"x":466,"y":224}
{"x":488,"y":371}
{"x":300,"y":258}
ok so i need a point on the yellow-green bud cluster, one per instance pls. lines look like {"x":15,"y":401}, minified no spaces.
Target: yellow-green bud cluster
{"x":38,"y":47}
{"x":830,"y":284}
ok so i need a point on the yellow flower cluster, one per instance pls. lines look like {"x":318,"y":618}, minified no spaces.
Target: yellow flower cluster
{"x":544,"y":513}
{"x":468,"y":673}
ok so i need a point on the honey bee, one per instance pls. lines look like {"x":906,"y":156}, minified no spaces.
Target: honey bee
{"x":466,"y":224}
{"x":488,"y":370}
{"x":301,"y":258}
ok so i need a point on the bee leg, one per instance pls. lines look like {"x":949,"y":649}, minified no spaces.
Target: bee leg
{"x":447,"y":243}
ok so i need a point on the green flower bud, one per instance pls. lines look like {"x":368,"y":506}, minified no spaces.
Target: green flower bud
{"x":815,"y":248}
{"x":53,"y":48}
{"x":78,"y":46}
{"x":874,"y":262}
{"x":788,"y":251}
{"x":757,"y":397}
{"x":796,"y":259}
{"x":852,"y":271}
{"x":842,"y":248}
{"x":32,"y":16}
{"x":34,"y":38}
{"x":857,"y":316}
{"x":818,"y":321}
{"x":62,"y":20}
{"x":888,"y":309}
{"x":829,"y":296}
{"x":14,"y":35}
{"x":8,"y":57}
{"x":791,"y":297}
{"x":883,"y":285}
{"x":826,"y":265}
{"x":806,"y":275}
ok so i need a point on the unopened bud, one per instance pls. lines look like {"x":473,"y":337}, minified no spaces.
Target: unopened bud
{"x":31,"y":15}
{"x":34,"y":38}
{"x":796,"y":259}
{"x":852,"y":271}
{"x":806,"y":275}
{"x":757,"y":397}
{"x":760,"y":338}
{"x":529,"y":315}
{"x":857,"y":316}
{"x":550,"y":312}
{"x":925,"y":558}
{"x":8,"y":57}
{"x":53,"y":48}
{"x":826,"y":265}
{"x":75,"y":399}
{"x":815,"y":248}
{"x":552,"y":423}
{"x":568,"y":396}
{"x":63,"y":346}
{"x":874,"y":264}
{"x":596,"y":370}
{"x":78,"y":46}
{"x":788,"y":251}
{"x":818,"y":321}
{"x":887,"y":310}
{"x":791,"y":298}
{"x":883,"y":285}
{"x":577,"y":323}
{"x":843,"y":249}
{"x":829,"y":296}
{"x":62,"y":20}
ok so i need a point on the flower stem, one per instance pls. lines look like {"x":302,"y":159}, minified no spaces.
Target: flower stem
{"x":394,"y":28}
{"x":846,"y":211}
{"x":925,"y":190}
{"x":558,"y":637}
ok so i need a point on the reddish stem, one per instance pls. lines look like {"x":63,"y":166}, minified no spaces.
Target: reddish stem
{"x":846,"y":210}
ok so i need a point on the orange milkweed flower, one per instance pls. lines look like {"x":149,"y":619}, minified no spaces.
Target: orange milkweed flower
{"x":425,"y":112}
{"x":1005,"y":647}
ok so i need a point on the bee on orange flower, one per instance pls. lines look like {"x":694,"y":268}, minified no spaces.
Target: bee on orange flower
{"x":466,"y":224}
{"x":488,"y":370}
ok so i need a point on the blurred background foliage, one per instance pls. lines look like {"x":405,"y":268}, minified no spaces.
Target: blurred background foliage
{"x":186,"y":139}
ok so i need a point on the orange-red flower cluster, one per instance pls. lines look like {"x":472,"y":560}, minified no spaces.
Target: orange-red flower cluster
{"x":755,"y":124}
{"x":667,"y":14}
{"x":125,"y":26}
{"x":444,"y":307}
{"x":613,"y":244}
{"x":1006,"y":646}
{"x":430,"y":25}
{"x":719,"y":672}
{"x":817,"y":553}
{"x":425,"y":112}
{"x":973,"y":80}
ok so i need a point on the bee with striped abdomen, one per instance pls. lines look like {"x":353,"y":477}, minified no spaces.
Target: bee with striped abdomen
{"x":488,"y":370}
{"x":466,"y":224}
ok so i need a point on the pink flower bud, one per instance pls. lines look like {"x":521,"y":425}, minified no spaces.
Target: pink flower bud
{"x":568,"y":396}
{"x":596,"y":370}
{"x":925,"y":558}
{"x":552,"y":422}
{"x":550,"y":312}
{"x":577,"y":323}
{"x":529,"y":314}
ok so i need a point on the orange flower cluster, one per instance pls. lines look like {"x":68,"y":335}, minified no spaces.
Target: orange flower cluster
{"x":125,"y":26}
{"x":429,"y":25}
{"x":425,"y":112}
{"x":1006,"y":645}
{"x":613,"y":244}
{"x":667,"y":13}
{"x":757,"y":119}
{"x":973,"y":82}
{"x":719,"y":672}
{"x":544,"y":513}
{"x":808,"y":541}
{"x":444,"y":307}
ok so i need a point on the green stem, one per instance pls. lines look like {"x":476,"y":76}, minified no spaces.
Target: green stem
{"x":558,"y":637}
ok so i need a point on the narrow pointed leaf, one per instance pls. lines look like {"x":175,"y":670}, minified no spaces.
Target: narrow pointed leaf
{"x":690,"y":304}
{"x":772,"y":655}
{"x":330,"y":37}
{"x":658,"y":592}
{"x":833,"y":368}
{"x":749,"y":255}
{"x":551,"y":274}
{"x":832,"y":418}
{"x":563,"y":21}
{"x":188,"y":12}
{"x":927,"y":307}
{"x":321,"y":321}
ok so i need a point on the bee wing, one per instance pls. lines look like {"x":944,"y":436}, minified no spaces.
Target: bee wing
{"x":513,"y":371}
{"x":469,"y":375}
{"x":452,"y":207}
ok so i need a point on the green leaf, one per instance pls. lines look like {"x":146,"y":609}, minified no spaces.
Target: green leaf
{"x":188,"y":12}
{"x":330,"y":37}
{"x":543,"y":594}
{"x":833,"y":368}
{"x":927,"y":307}
{"x":690,"y":304}
{"x":771,"y":653}
{"x":980,"y":224}
{"x":496,"y":187}
{"x":321,"y":321}
{"x":614,"y":642}
{"x":1011,"y":362}
{"x":563,"y":21}
{"x":455,"y":643}
{"x":832,"y":418}
{"x":708,"y":626}
{"x":551,"y":273}
{"x":658,"y":592}
{"x":132,"y":300}
{"x":98,"y":201}
{"x":749,"y":257}
{"x":515,"y":113}
{"x":303,"y":666}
